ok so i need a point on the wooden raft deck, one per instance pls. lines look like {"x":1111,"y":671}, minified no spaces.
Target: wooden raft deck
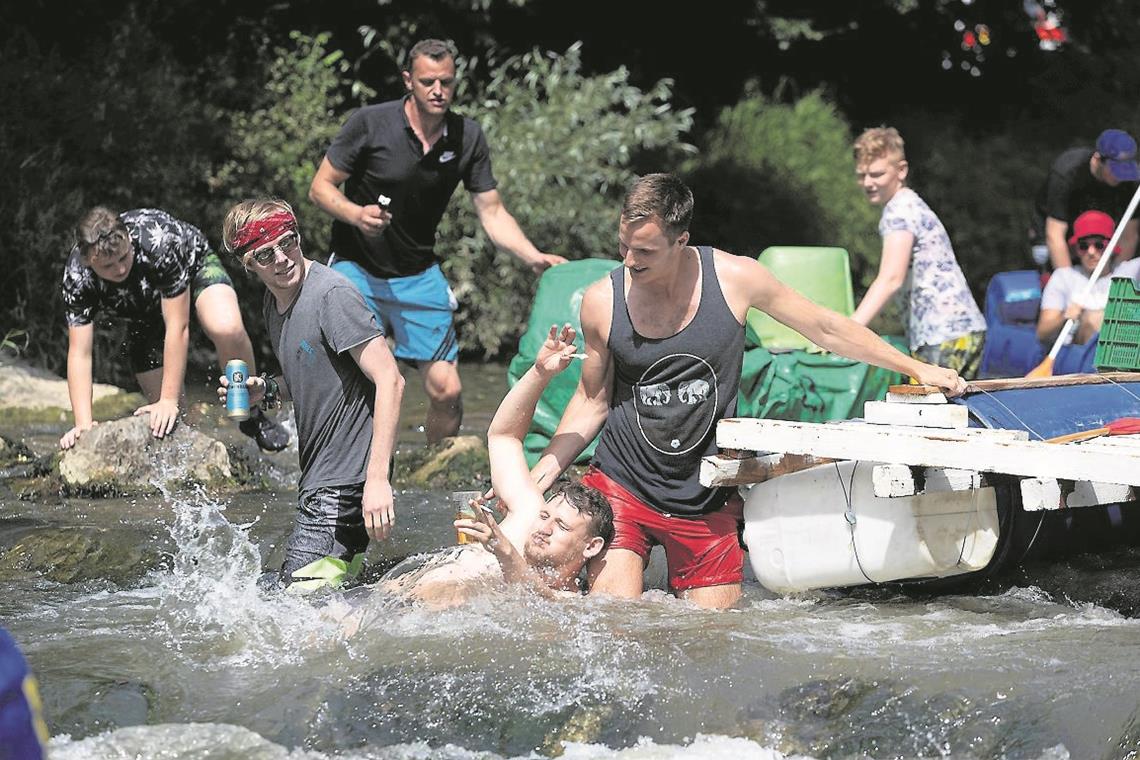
{"x":923,"y":444}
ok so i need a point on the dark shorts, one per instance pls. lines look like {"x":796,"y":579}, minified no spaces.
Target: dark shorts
{"x":702,"y":550}
{"x":962,"y":354}
{"x":330,"y":523}
{"x":146,"y":338}
{"x":415,"y":311}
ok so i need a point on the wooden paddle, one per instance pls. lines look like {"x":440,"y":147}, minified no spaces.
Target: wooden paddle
{"x":1045,"y":368}
{"x":1122,"y":426}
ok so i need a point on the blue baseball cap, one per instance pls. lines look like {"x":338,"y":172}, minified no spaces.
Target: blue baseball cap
{"x":1118,"y":150}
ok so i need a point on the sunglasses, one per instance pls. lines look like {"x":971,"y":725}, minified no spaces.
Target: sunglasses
{"x":1092,"y":242}
{"x":267,"y":255}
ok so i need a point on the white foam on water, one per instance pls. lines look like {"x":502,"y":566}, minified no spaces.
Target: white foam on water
{"x":192,"y":741}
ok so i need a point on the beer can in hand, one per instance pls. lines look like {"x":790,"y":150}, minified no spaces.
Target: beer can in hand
{"x":237,"y":395}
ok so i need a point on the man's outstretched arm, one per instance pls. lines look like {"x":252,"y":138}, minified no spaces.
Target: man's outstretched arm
{"x":510,"y":476}
{"x":506,"y":234}
{"x":751,"y":281}
{"x":586,"y":413}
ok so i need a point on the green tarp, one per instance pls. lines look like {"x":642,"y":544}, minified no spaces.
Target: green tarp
{"x":788,"y":385}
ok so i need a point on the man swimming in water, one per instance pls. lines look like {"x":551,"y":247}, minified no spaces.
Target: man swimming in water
{"x":543,"y":543}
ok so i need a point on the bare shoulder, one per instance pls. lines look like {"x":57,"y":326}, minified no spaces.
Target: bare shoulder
{"x":744,"y":281}
{"x":597,"y":306}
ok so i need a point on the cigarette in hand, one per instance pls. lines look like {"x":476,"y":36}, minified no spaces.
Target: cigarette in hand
{"x":577,"y":356}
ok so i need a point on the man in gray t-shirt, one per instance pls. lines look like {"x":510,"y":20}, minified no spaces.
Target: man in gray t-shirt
{"x":342,"y":379}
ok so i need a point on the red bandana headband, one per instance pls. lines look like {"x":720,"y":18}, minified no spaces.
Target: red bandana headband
{"x":261,"y":231}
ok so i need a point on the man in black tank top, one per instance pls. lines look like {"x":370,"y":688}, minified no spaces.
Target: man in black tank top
{"x":664,"y":345}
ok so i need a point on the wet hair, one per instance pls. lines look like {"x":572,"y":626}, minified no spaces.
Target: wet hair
{"x":590,"y":502}
{"x":663,"y":196}
{"x":437,"y":50}
{"x":250,"y":210}
{"x":97,"y":227}
{"x":879,"y":142}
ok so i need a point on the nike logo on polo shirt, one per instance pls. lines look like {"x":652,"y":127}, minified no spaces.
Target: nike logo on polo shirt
{"x":446,"y":156}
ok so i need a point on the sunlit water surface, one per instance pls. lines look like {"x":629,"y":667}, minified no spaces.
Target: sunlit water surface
{"x":191,"y":660}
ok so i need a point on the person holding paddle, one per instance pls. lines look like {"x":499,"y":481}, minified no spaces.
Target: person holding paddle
{"x":1069,"y":294}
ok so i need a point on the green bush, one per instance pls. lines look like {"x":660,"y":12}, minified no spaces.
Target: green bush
{"x":275,"y":147}
{"x":771,"y":173}
{"x":119,"y":125}
{"x":564,"y":147}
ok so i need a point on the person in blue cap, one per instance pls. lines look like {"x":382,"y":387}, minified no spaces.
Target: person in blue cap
{"x":1083,"y":179}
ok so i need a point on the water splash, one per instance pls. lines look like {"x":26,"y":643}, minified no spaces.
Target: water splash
{"x":210,"y":599}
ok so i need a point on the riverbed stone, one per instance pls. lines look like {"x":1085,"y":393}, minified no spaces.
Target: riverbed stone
{"x":123,"y":457}
{"x":73,"y":555}
{"x":13,"y":454}
{"x":454,"y":463}
{"x":33,"y":395}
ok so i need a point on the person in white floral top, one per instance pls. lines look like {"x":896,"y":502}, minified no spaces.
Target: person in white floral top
{"x":943,"y":323}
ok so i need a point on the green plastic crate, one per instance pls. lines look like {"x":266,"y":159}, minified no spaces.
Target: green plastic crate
{"x":1118,"y":347}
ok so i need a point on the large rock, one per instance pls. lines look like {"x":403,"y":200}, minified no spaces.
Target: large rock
{"x":72,"y":555}
{"x":123,"y":457}
{"x":457,"y":462}
{"x":31,"y":394}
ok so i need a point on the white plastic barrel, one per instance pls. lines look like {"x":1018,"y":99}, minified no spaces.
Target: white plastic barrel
{"x":799,"y":537}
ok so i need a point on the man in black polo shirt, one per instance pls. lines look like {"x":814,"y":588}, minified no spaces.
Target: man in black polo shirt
{"x":399,"y":163}
{"x":1082,"y":179}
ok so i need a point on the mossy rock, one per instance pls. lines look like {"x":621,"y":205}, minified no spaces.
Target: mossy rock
{"x":73,"y":555}
{"x":452,"y":464}
{"x":106,"y":408}
{"x":122,"y":457}
{"x":13,"y":454}
{"x":584,"y":726}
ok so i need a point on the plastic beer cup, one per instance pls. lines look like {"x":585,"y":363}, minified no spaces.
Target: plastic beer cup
{"x":464,"y":510}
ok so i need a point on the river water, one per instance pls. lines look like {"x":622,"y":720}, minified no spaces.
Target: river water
{"x":186,"y":658}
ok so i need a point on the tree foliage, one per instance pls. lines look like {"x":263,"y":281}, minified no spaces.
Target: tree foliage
{"x":564,"y":146}
{"x":774,"y":173}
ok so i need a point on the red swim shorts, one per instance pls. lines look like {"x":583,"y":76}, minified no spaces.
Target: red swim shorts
{"x":702,"y":550}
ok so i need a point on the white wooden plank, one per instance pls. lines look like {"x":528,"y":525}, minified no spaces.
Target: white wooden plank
{"x":917,"y":415}
{"x":949,"y":434}
{"x":1040,"y":493}
{"x":1114,"y":445}
{"x":1087,"y":493}
{"x":987,"y":451}
{"x":728,"y":471}
{"x":893,"y":480}
{"x":949,"y":479}
{"x":1048,"y":493}
{"x":911,"y":398}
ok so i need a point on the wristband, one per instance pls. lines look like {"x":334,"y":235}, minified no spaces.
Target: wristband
{"x":272,"y":398}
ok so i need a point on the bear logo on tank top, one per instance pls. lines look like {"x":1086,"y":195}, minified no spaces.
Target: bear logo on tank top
{"x":676,"y":402}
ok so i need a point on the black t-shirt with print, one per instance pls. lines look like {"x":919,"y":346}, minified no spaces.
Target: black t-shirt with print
{"x":168,"y":253}
{"x":383,"y":156}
